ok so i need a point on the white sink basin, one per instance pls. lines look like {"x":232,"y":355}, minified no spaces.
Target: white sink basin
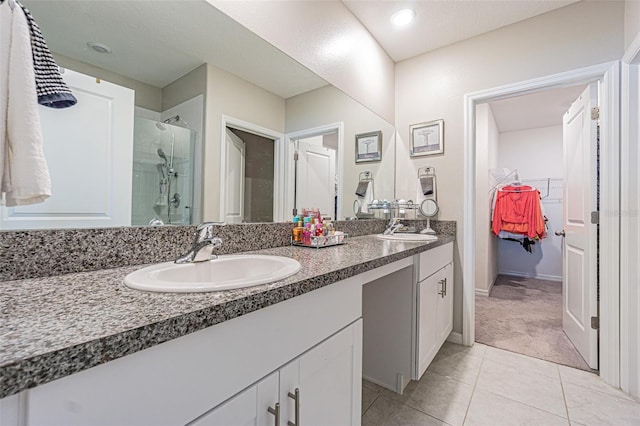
{"x":408,"y":237}
{"x":223,"y":273}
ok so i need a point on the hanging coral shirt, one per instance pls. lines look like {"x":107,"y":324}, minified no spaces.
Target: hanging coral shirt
{"x":518,"y":211}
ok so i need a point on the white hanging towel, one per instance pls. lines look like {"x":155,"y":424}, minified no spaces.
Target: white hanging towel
{"x":24,"y":173}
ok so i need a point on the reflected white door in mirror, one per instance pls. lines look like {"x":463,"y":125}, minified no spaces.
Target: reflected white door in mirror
{"x":314,"y":174}
{"x":88,"y":149}
{"x":235,"y":178}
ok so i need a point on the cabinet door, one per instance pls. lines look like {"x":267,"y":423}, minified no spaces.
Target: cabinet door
{"x":444,"y":321}
{"x":249,"y":408}
{"x":427,"y":334}
{"x":329,"y":379}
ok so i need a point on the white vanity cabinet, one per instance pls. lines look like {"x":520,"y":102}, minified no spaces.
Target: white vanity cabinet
{"x":434,"y":275}
{"x":230,"y":373}
{"x":318,"y":387}
{"x":250,"y":407}
{"x":407,"y":316}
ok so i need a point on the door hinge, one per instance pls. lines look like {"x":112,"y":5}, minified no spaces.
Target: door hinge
{"x":595,"y":113}
{"x":295,"y":156}
{"x":595,"y":217}
{"x":595,"y":323}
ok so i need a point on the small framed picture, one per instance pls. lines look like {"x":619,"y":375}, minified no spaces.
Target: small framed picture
{"x":369,"y":147}
{"x":427,"y":138}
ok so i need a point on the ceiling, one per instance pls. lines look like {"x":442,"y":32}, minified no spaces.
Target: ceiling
{"x":157,"y":42}
{"x":440,"y":23}
{"x":542,"y":109}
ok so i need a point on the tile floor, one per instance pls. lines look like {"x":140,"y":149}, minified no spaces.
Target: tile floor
{"x":487,"y":386}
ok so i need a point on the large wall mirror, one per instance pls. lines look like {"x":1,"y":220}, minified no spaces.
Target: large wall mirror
{"x":185,"y":116}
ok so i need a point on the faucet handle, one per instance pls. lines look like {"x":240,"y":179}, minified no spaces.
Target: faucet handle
{"x":205,"y":230}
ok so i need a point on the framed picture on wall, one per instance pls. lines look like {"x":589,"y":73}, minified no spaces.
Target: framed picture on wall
{"x":427,"y":138}
{"x":369,"y":147}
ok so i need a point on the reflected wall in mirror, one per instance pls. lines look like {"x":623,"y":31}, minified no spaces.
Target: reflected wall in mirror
{"x":124,"y":173}
{"x":329,"y":108}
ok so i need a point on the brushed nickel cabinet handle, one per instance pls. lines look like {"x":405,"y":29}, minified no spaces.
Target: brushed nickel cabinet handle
{"x":445,"y":288}
{"x":296,"y":398}
{"x":442,"y":291}
{"x":276,"y":413}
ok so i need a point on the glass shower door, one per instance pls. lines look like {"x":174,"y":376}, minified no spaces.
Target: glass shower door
{"x":162,"y":191}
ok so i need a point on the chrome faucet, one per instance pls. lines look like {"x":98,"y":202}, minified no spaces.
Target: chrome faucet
{"x":203,"y":244}
{"x":393,"y":226}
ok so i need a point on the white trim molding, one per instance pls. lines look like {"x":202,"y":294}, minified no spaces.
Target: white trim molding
{"x":609,"y":76}
{"x":630,"y":221}
{"x":278,"y":166}
{"x":480,"y":292}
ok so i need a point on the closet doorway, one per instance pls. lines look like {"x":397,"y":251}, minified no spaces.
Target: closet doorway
{"x":532,"y":293}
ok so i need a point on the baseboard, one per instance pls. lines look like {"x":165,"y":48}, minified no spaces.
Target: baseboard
{"x":482,"y":292}
{"x":379,"y":383}
{"x":455,"y":337}
{"x":486,"y":293}
{"x":536,"y":276}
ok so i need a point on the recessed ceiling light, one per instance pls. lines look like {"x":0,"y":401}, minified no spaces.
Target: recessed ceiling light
{"x":402,"y":17}
{"x":99,"y":47}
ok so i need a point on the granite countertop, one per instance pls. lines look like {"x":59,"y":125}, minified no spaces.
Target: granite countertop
{"x":52,"y":327}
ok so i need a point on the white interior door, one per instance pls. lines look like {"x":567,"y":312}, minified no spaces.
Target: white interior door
{"x":316,"y":177}
{"x":89,"y":150}
{"x":234,"y":182}
{"x":580,"y":199}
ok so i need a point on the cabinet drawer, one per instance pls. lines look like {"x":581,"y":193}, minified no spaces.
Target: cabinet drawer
{"x":434,"y":259}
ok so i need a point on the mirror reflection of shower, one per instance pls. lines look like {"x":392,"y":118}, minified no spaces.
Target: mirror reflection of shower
{"x":162,"y":192}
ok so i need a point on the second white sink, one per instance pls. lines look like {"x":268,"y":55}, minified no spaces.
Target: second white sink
{"x":408,"y":237}
{"x":223,"y":273}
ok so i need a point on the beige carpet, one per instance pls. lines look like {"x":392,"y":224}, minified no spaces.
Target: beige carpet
{"x":524,"y":315}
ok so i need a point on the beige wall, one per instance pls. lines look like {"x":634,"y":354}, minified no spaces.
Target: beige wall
{"x":325,"y":37}
{"x":631,"y":21}
{"x":432,"y":86}
{"x":147,"y":96}
{"x":487,"y":139}
{"x":329,"y":105}
{"x":188,"y":86}
{"x":237,"y":98}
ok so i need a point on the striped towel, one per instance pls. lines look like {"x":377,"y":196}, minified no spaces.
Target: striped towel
{"x":52,"y":91}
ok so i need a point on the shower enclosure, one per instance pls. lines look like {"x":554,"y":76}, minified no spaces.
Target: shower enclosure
{"x":162,"y":190}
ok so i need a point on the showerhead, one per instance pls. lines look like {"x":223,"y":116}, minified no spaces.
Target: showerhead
{"x":162,"y":155}
{"x":161,"y":126}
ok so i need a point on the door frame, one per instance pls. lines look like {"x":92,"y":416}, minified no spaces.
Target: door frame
{"x":278,"y":172}
{"x":291,"y":138}
{"x":630,"y":221}
{"x":609,"y":75}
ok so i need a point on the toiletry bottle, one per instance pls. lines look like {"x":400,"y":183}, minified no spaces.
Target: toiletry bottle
{"x":297,"y":232}
{"x":306,"y":234}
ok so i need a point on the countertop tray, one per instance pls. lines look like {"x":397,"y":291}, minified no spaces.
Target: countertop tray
{"x":323,"y":241}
